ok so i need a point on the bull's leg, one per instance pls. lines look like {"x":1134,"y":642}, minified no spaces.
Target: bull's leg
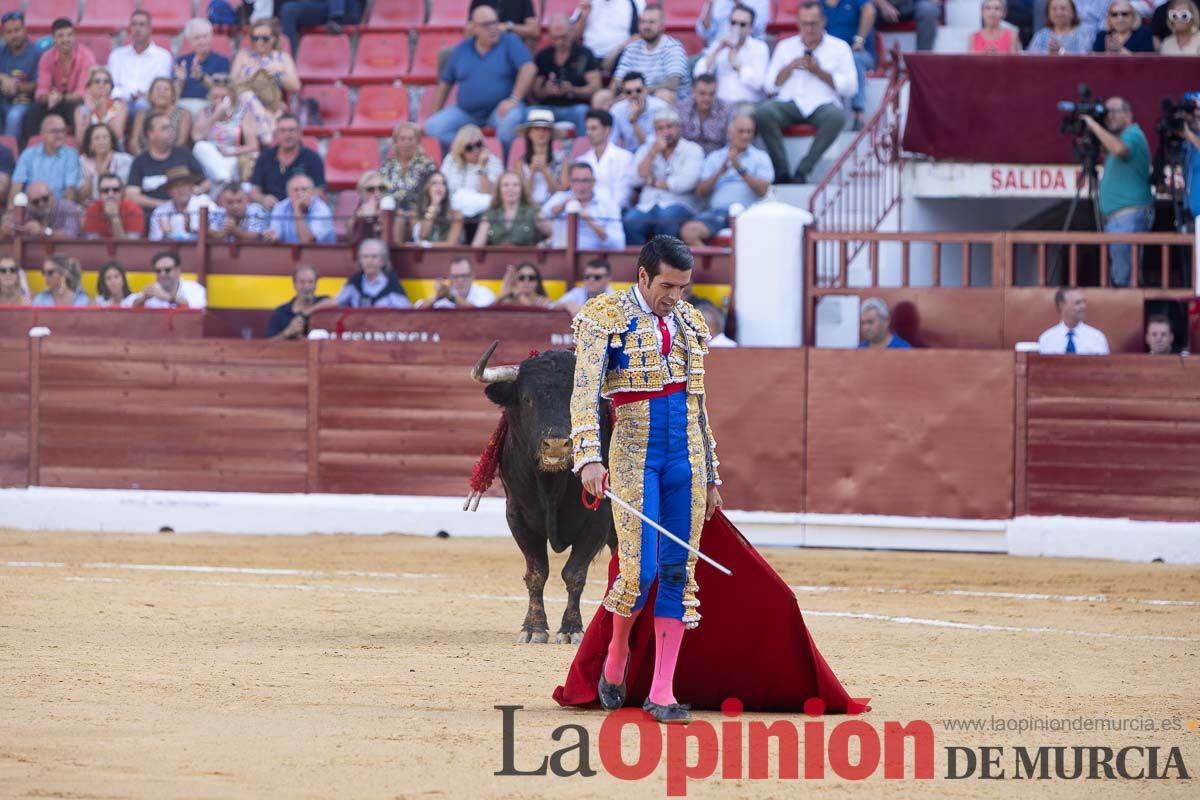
{"x":574,"y":575}
{"x":536,"y":629}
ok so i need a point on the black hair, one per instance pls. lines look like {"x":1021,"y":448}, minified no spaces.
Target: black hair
{"x":148,"y":122}
{"x":171,"y":254}
{"x":747,"y":9}
{"x":707,"y":77}
{"x":633,"y":76}
{"x":664,"y":248}
{"x":600,"y":115}
{"x":1160,"y":318}
{"x":59,"y":24}
{"x":600,"y":263}
{"x":102,"y":286}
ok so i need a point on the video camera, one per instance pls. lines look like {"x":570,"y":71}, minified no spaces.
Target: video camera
{"x":1086,"y":106}
{"x":1176,"y":115}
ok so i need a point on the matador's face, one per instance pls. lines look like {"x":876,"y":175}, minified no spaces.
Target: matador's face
{"x":664,"y":290}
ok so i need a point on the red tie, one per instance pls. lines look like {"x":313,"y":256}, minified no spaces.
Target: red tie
{"x":666,"y":335}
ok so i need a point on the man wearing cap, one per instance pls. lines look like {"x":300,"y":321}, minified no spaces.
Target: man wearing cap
{"x":668,"y":167}
{"x":178,"y":218}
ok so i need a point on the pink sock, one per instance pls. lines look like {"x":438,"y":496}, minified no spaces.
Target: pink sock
{"x":618,"y":647}
{"x":668,"y":636}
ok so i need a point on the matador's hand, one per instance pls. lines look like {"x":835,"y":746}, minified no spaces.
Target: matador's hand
{"x":712,"y":502}
{"x":594,"y":476}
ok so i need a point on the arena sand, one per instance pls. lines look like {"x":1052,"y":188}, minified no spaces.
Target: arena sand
{"x":197,"y":666}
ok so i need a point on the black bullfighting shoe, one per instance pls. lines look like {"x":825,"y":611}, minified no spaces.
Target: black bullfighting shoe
{"x":612,"y":695}
{"x":674,"y":713}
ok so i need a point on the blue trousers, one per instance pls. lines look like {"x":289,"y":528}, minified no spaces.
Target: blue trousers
{"x":445,"y":124}
{"x":863,"y":61}
{"x":297,"y":13}
{"x":1120,"y":256}
{"x":658,"y":221}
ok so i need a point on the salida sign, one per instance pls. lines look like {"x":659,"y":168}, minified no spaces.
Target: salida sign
{"x":1023,"y":180}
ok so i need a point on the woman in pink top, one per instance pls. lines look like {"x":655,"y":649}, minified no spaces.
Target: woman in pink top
{"x":995,"y":38}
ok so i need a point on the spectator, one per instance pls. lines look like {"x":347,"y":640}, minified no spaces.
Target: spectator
{"x":994,"y":37}
{"x":112,"y":285}
{"x":435,"y":222}
{"x":738,"y":61}
{"x":522,"y":286}
{"x":809,"y":74}
{"x":194,"y":71}
{"x":100,"y":107}
{"x":874,"y":318}
{"x":161,"y":100}
{"x":148,"y":174}
{"x":18,"y":73}
{"x":171,"y":289}
{"x":1191,"y":157}
{"x":493,"y":72}
{"x":100,"y":155}
{"x":471,"y":171}
{"x":597,"y":275}
{"x":599,"y":217}
{"x":1185,"y":29}
{"x":14,"y":290}
{"x":406,"y":171}
{"x":367,"y":222}
{"x":738,"y":174}
{"x":703,"y":118}
{"x":716,"y":20}
{"x":236,"y":218}
{"x":715,"y":319}
{"x":374,"y":285}
{"x":1125,"y":33}
{"x":1072,"y":334}
{"x":1126,"y":199}
{"x":137,"y":65}
{"x":112,"y":215}
{"x":660,"y":59}
{"x":63,"y":276}
{"x":290,"y":320}
{"x":607,"y":31}
{"x":8,"y":165}
{"x":330,"y":13}
{"x":513,"y":218}
{"x":226,"y":135}
{"x":853,"y":21}
{"x":518,"y":17}
{"x":62,"y":74}
{"x":633,"y":114}
{"x":178,"y":218}
{"x":303,"y":218}
{"x":47,"y":216}
{"x":1160,"y":339}
{"x":668,"y":168}
{"x":1063,"y":34}
{"x":927,"y":13}
{"x":541,"y":166}
{"x":267,"y":72}
{"x":50,"y":160}
{"x":568,"y":75}
{"x":276,"y":165}
{"x":461,"y":290}
{"x":612,"y":166}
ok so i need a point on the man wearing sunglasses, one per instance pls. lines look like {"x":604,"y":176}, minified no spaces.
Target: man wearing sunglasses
{"x":716,"y":20}
{"x":46,"y":216}
{"x":738,"y":60}
{"x":50,"y":161}
{"x":633,"y":114}
{"x":112,"y":215}
{"x":170,"y":289}
{"x":597,"y":275}
{"x":18,"y":73}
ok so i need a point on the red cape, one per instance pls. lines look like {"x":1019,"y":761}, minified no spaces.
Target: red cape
{"x":752,"y":643}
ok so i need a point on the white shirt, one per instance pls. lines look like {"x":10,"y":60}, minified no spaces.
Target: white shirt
{"x":721,"y":340}
{"x":681,"y":172}
{"x":672,"y":327}
{"x":478,"y":295}
{"x":743,"y":82}
{"x":614,"y":172}
{"x":609,"y":24}
{"x":190,"y":291}
{"x":133,"y":72}
{"x":577,"y":296}
{"x":806,"y":90}
{"x":186,"y":224}
{"x":1088,"y":341}
{"x":603,"y":210}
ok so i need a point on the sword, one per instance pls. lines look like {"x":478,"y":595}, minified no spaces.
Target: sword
{"x":655,"y":525}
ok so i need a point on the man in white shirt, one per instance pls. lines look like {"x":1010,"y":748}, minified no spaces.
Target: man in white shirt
{"x":810,"y":74}
{"x":461,"y":290}
{"x":170,"y":290}
{"x":668,"y":167}
{"x":1072,"y":335}
{"x":135,"y":66}
{"x":597,"y":275}
{"x":612,"y":165}
{"x":599,"y":218}
{"x":606,"y":27}
{"x":713,"y":21}
{"x":737,"y":60}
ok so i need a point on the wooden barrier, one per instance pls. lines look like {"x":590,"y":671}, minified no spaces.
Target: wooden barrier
{"x":15,"y":387}
{"x":111,"y":323}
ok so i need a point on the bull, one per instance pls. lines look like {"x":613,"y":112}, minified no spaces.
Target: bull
{"x":543,"y":494}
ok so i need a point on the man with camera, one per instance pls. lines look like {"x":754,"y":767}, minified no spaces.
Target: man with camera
{"x":1191,"y":150}
{"x":1126,"y":201}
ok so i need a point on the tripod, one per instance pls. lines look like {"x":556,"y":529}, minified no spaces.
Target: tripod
{"x":1087,"y":177}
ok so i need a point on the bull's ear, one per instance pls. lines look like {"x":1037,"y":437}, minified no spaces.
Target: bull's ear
{"x":502,"y":394}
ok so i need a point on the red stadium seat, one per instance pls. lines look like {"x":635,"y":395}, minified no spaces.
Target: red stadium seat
{"x":168,"y":15}
{"x":311,"y":142}
{"x":516,"y":152}
{"x":431,"y":146}
{"x":494,"y":145}
{"x":380,"y":58}
{"x":552,"y":7}
{"x":799,"y":130}
{"x":334,"y":102}
{"x":343,"y":210}
{"x":101,"y":44}
{"x":400,"y":15}
{"x":681,"y":15}
{"x":164,"y":40}
{"x":693,"y":43}
{"x":42,"y":13}
{"x":448,"y":15}
{"x":103,"y":16}
{"x":323,"y":58}
{"x":425,"y":107}
{"x":425,"y":59}
{"x":378,"y":110}
{"x":348,"y":158}
{"x":580,"y":147}
{"x":11,"y":143}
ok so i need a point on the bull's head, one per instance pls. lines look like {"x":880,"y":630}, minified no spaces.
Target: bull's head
{"x":537,"y":398}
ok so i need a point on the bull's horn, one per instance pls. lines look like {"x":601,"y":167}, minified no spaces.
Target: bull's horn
{"x":482,"y":373}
